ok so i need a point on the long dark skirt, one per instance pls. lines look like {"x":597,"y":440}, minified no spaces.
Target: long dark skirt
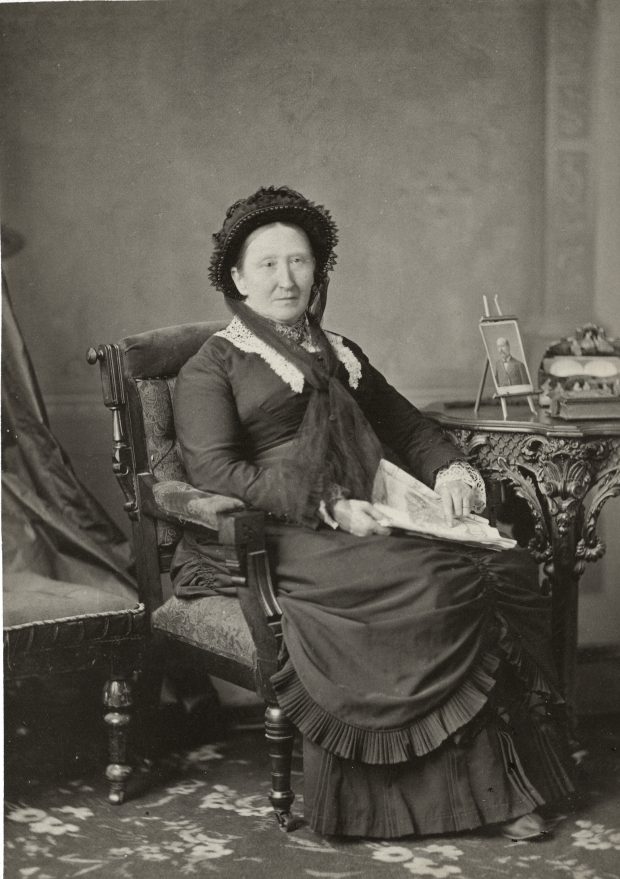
{"x":420,"y":675}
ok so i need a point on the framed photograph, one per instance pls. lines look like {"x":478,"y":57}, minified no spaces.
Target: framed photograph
{"x":504,"y":348}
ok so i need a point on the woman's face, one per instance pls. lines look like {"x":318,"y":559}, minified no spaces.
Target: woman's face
{"x":275,"y":272}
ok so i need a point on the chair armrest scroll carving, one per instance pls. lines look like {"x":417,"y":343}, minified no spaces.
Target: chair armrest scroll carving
{"x":258,"y":600}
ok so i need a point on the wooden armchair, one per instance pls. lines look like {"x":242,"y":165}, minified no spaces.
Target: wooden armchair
{"x":237,"y":640}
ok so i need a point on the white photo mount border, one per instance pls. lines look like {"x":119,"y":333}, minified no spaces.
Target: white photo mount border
{"x":505,"y":358}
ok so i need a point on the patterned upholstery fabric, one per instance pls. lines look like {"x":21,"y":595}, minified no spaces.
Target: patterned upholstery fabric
{"x":162,"y":446}
{"x":216,"y":621}
{"x":161,"y":442}
{"x":162,"y":353}
{"x":193,"y":505}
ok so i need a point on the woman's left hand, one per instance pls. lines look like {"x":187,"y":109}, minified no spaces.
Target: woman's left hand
{"x":359,"y":518}
{"x":457,"y":499}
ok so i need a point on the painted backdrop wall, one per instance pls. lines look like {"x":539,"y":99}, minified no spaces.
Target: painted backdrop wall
{"x":132,"y":126}
{"x":129,"y":127}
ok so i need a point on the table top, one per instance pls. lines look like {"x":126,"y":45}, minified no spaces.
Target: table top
{"x":520,"y":420}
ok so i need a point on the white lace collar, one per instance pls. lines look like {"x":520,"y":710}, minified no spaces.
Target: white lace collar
{"x":245,"y":340}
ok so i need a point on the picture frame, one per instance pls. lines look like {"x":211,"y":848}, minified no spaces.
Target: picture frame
{"x":506,"y":356}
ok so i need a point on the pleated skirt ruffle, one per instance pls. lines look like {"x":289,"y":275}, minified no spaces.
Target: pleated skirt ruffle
{"x":494,"y":777}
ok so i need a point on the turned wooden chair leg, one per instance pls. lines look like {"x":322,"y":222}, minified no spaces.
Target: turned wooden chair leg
{"x":280,"y":733}
{"x":118,"y":702}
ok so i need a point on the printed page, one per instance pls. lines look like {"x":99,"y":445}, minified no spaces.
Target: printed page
{"x":407,"y":503}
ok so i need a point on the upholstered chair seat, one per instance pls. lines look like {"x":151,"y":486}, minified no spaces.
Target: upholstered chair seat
{"x":215,"y":620}
{"x":30,"y":598}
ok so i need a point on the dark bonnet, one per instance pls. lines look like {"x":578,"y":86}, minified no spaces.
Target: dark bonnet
{"x":272,"y":205}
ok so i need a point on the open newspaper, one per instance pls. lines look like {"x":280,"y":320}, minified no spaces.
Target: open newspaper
{"x":407,"y":503}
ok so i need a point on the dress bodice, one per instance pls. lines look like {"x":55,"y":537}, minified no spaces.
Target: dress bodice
{"x":235,"y":404}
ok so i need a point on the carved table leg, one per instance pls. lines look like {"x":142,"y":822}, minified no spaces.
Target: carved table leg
{"x":565,"y":482}
{"x":279,"y":732}
{"x":118,"y":702}
{"x":574,"y":503}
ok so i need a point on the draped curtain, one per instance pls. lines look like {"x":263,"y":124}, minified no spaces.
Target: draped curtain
{"x":58,"y":541}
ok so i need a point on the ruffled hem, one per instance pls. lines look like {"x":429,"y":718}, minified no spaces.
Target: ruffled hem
{"x":385,"y":746}
{"x":425,"y":734}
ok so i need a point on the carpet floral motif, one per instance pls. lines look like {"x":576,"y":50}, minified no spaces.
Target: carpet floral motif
{"x":207,"y":813}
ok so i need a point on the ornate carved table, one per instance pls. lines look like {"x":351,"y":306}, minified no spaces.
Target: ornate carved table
{"x":565,"y":471}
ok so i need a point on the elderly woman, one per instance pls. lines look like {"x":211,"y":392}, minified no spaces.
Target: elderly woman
{"x":418,"y":671}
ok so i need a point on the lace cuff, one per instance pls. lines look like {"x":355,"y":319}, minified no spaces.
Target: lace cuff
{"x":461,"y":470}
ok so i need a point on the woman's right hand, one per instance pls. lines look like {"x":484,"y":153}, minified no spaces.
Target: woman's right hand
{"x":358,"y":517}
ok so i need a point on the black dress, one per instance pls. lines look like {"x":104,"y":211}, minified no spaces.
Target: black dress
{"x":418,"y":671}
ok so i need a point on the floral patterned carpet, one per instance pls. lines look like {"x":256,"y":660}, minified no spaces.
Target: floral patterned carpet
{"x":203,"y":810}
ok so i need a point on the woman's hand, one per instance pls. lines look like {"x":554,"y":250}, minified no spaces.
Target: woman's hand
{"x":457,"y":498}
{"x":358,"y":517}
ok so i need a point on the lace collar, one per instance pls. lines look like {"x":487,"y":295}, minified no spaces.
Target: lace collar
{"x":245,"y":340}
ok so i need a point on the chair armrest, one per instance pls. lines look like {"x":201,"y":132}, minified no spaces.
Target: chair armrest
{"x":242,"y":534}
{"x":189,"y":504}
{"x":239,"y":530}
